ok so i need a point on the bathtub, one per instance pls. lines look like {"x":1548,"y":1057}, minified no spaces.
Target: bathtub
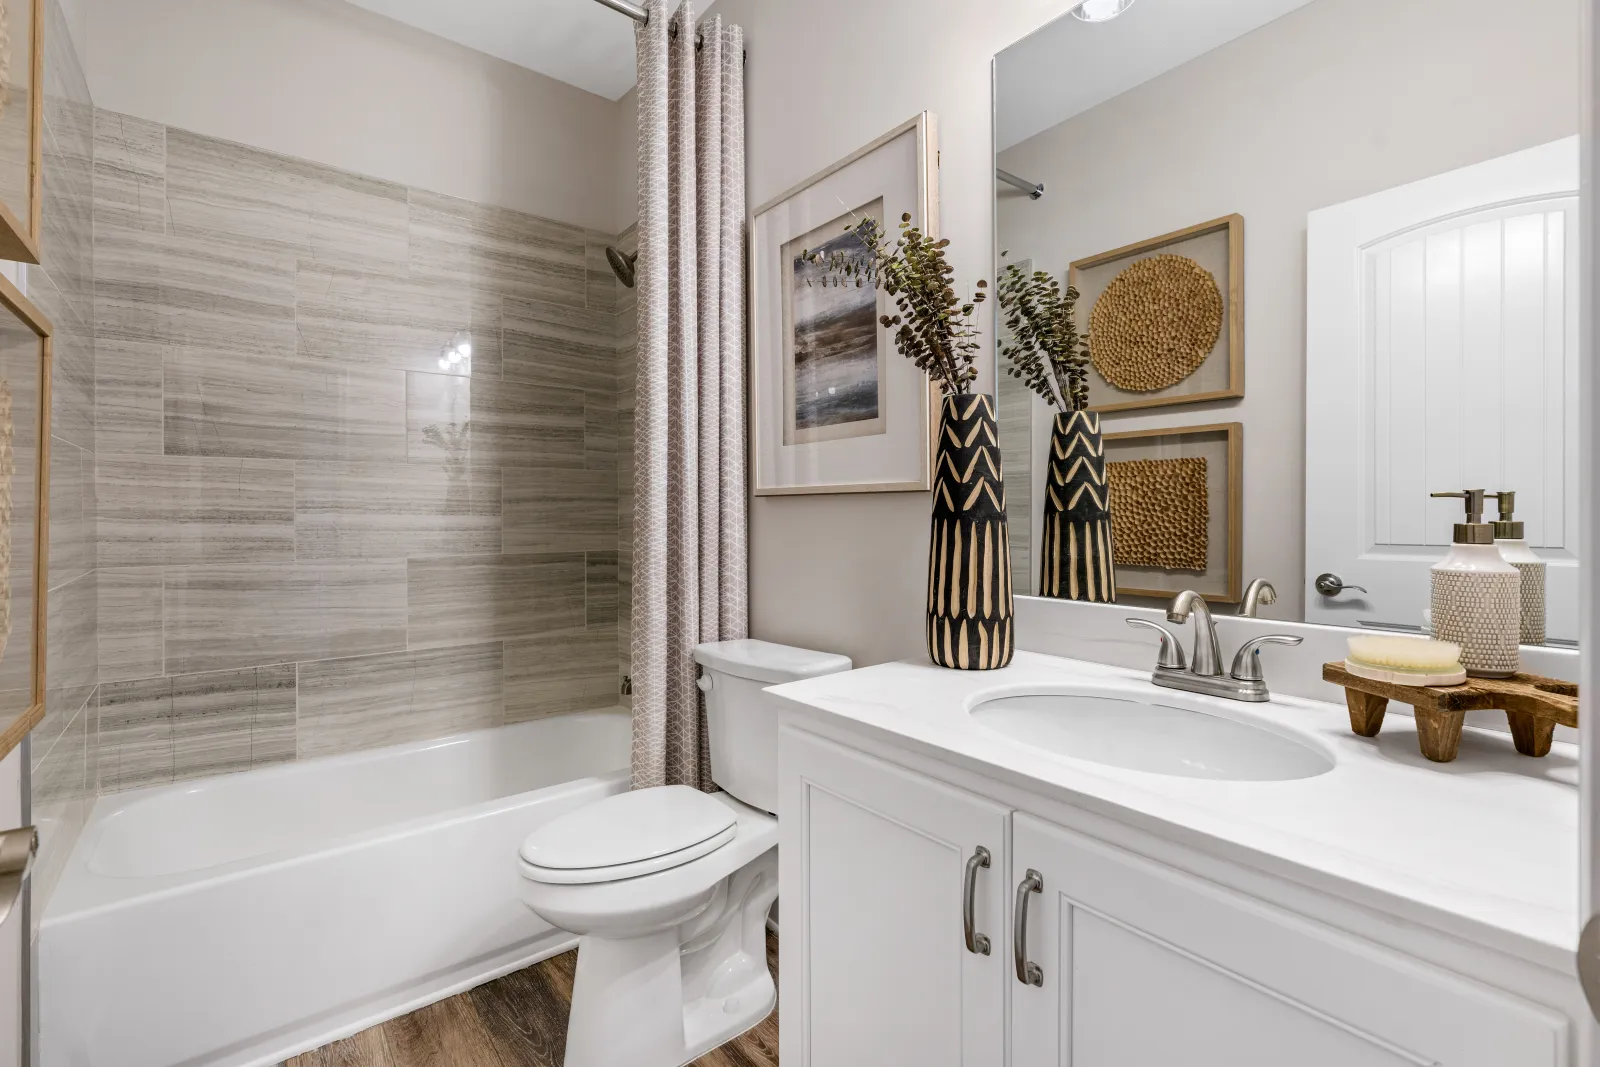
{"x":243,"y":919}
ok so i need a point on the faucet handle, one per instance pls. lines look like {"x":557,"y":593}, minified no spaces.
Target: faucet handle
{"x":1170,"y":656}
{"x":1247,"y":664}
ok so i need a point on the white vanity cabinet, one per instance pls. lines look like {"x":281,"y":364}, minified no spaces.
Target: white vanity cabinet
{"x":881,"y":973}
{"x":1138,"y":964}
{"x":1143,"y":964}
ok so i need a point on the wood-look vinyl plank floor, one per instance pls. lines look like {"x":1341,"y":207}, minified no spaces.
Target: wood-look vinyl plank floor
{"x":516,"y":1021}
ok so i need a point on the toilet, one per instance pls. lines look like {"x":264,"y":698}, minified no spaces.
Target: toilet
{"x":668,"y":889}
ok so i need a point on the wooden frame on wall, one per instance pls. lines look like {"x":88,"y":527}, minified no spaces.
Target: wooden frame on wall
{"x":1233,"y":322}
{"x":22,"y":225}
{"x":760,"y":295}
{"x":12,"y":733}
{"x":1230,"y":588}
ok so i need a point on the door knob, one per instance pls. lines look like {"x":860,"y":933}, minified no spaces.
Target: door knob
{"x":1333,"y":585}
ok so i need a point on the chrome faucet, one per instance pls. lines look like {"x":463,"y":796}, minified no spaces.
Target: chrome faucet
{"x":1243,"y":682}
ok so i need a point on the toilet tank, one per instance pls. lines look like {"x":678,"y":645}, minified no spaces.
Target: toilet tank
{"x":742,"y":721}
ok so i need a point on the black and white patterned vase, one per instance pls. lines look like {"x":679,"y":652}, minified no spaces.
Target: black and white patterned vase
{"x":969,"y":560}
{"x":1076,"y":552}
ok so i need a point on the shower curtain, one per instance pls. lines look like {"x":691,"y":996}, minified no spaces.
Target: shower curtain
{"x":689,"y":566}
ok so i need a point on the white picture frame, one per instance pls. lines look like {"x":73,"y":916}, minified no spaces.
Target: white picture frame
{"x":876,"y":434}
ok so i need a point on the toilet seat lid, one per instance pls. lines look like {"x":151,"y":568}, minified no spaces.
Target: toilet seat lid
{"x":630,"y":834}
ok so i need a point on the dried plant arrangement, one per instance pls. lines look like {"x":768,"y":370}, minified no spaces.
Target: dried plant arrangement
{"x":934,"y":328}
{"x":1046,"y":350}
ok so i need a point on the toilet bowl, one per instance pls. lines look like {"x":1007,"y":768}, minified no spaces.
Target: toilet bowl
{"x":669,"y":888}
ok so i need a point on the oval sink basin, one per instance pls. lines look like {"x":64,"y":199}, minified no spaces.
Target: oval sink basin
{"x":1156,"y":734}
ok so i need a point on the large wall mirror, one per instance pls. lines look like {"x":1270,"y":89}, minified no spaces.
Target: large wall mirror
{"x":1326,"y":256}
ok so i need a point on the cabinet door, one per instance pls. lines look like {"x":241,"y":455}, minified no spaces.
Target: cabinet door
{"x":1144,"y":966}
{"x":873,"y":866}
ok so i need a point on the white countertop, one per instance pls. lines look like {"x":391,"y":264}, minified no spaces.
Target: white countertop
{"x":1485,"y":847}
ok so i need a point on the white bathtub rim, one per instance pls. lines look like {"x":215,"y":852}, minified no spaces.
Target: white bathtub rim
{"x":63,"y":908}
{"x":108,"y":806}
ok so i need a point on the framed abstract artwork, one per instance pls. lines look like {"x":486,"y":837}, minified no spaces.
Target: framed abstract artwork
{"x":21,"y":129}
{"x":834,"y":407}
{"x":1177,"y":508}
{"x":1165,"y":318}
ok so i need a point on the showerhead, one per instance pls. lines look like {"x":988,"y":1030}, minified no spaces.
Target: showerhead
{"x":622,"y":265}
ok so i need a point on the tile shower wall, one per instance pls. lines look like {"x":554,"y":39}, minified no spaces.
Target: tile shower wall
{"x":315,"y":532}
{"x":62,"y":749}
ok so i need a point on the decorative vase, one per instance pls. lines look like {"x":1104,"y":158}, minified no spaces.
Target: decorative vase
{"x":969,"y":560}
{"x":1076,"y":548}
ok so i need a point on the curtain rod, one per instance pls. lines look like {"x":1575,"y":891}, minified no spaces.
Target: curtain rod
{"x":641,"y":16}
{"x":1034,"y":189}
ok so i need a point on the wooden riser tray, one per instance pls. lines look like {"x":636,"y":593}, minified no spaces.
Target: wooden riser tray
{"x":1534,"y":707}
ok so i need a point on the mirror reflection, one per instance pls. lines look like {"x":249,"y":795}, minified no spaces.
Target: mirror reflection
{"x":1289,"y":290}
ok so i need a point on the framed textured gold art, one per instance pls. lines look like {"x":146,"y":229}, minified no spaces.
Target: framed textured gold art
{"x":1177,"y":505}
{"x":1166,"y":318}
{"x":21,"y":129}
{"x":834,"y":408}
{"x":25,"y":359}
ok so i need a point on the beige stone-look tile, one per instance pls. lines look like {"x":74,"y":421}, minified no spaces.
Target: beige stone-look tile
{"x":601,"y":584}
{"x":488,"y":598}
{"x":233,"y":194}
{"x":71,"y":512}
{"x":558,"y":346}
{"x":60,"y":763}
{"x":600,"y":432}
{"x":130,"y":172}
{"x":554,"y":509}
{"x":370,"y":701}
{"x":395,"y":510}
{"x":72,"y":383}
{"x":233,"y":405}
{"x":602,"y":284}
{"x":382,"y":321}
{"x":135,"y":734}
{"x":127,"y":393}
{"x":130,"y":623}
{"x":73,"y":616}
{"x":560,"y":673}
{"x":127,"y":284}
{"x":182,"y":509}
{"x":453,"y":420}
{"x":496,"y":250}
{"x":226,"y":298}
{"x":486,"y":343}
{"x":227,"y":616}
{"x":232,"y":720}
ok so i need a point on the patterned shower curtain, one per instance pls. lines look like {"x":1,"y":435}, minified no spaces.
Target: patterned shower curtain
{"x":689,"y":565}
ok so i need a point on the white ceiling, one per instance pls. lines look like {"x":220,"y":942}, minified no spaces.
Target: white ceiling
{"x":1070,"y":65}
{"x":575,"y":41}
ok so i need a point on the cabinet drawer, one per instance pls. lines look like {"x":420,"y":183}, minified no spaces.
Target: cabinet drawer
{"x":1145,"y":965}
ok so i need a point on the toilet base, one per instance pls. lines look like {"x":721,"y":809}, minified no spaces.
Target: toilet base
{"x":663,"y":999}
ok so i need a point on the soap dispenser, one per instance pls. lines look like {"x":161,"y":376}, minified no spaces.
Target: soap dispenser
{"x":1511,"y":540}
{"x":1477,"y":596}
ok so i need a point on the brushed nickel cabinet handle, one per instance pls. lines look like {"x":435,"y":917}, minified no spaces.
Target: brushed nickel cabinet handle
{"x":977,"y":944}
{"x":1027,"y":973}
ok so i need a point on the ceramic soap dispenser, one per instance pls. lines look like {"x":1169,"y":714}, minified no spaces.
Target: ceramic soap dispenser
{"x":1511,"y":539}
{"x":1477,"y":596}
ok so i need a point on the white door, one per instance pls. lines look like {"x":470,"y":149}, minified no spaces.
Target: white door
{"x":1442,"y":339}
{"x":1141,"y":965}
{"x":877,"y":969}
